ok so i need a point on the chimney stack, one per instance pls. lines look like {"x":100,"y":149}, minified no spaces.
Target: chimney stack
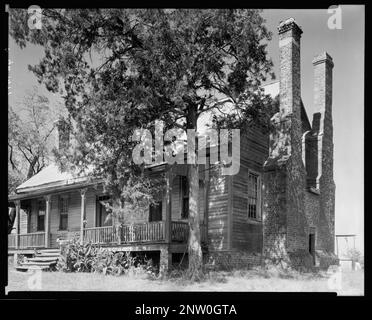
{"x":290,"y":90}
{"x":290,"y":68}
{"x":322,"y":118}
{"x":323,"y":66}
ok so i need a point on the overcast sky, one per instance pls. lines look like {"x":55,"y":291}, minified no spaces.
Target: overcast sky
{"x":345,"y":45}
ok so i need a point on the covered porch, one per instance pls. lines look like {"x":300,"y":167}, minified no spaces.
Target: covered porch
{"x":141,"y":233}
{"x":164,"y":230}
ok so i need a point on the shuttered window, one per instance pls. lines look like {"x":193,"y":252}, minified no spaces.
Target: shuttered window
{"x":184,"y":198}
{"x":254,"y":196}
{"x":63,"y":212}
{"x":41,"y":215}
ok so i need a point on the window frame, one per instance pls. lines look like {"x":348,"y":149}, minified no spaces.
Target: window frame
{"x":99,"y":207}
{"x":157,"y":206}
{"x":184,"y":195}
{"x":64,"y":215}
{"x":258,"y":216}
{"x":40,"y":227}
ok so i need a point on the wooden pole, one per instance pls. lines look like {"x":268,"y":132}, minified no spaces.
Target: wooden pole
{"x":82,"y":214}
{"x":47,"y":221}
{"x":17,"y":219}
{"x":206,"y":195}
{"x":168,"y":203}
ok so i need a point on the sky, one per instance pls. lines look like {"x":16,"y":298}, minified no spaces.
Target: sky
{"x":346,"y":47}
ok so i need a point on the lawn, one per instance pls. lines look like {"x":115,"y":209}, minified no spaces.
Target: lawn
{"x":352,"y":282}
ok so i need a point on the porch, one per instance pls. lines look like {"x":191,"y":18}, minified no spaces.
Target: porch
{"x":82,"y":218}
{"x":140,"y":233}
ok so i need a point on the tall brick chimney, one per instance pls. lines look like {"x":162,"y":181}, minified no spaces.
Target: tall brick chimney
{"x":322,"y":119}
{"x":290,"y":86}
{"x":290,"y":68}
{"x":284,"y":220}
{"x":322,"y":125}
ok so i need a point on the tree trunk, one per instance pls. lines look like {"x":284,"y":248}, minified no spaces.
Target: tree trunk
{"x":31,"y":167}
{"x":194,"y":246}
{"x":11,"y":219}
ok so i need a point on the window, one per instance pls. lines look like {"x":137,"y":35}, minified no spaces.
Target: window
{"x":253,"y":196}
{"x":63,"y":212}
{"x":155,"y":212}
{"x":185,"y":198}
{"x":103,"y":217}
{"x":41,"y":215}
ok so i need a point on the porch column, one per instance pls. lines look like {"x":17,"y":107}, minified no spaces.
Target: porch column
{"x":168,"y":203}
{"x":206,"y":195}
{"x":82,"y":214}
{"x":47,"y":221}
{"x":16,"y":222}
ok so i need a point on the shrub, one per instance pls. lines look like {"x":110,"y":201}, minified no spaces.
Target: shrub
{"x":76,"y":257}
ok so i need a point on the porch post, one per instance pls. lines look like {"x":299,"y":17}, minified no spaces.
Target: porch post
{"x":47,"y":221}
{"x":206,"y":195}
{"x":82,"y":214}
{"x":17,"y":219}
{"x":168,"y":203}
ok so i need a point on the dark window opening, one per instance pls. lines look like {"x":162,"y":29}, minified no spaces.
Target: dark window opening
{"x":312,"y":246}
{"x":155,"y":212}
{"x":41,"y":215}
{"x":63,"y":213}
{"x":185,"y":198}
{"x":253,"y":196}
{"x":103,"y":213}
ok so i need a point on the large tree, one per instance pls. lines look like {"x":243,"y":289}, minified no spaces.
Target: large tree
{"x":123,"y":69}
{"x":30,"y":143}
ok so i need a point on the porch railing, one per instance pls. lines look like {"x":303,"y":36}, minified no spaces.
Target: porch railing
{"x":31,"y":240}
{"x":143,"y":232}
{"x":180,"y":231}
{"x":100,"y":235}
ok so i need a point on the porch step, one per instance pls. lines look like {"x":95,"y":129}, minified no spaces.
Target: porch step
{"x":36,"y":263}
{"x":49,"y":251}
{"x":26,"y":268}
{"x":43,"y":259}
{"x":47,"y":254}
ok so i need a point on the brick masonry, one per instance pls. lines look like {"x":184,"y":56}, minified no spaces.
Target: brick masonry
{"x":298,"y":191}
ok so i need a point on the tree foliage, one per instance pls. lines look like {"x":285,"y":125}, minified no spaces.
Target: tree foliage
{"x":123,"y":69}
{"x":30,"y":128}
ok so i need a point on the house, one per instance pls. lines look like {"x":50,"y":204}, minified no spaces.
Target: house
{"x":279,"y":206}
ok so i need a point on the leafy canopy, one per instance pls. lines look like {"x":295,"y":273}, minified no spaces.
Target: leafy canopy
{"x":123,"y":69}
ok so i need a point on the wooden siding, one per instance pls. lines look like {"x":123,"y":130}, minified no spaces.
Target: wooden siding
{"x":247,"y":233}
{"x":218,"y":210}
{"x":23,"y":222}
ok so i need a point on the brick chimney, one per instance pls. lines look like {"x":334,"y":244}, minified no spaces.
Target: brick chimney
{"x":287,"y":139}
{"x":323,"y":127}
{"x":322,"y":118}
{"x":290,"y":68}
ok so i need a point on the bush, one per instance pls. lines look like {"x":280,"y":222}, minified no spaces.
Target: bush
{"x":76,"y":257}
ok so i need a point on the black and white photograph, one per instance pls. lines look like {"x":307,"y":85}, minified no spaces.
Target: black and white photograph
{"x":185,"y":150}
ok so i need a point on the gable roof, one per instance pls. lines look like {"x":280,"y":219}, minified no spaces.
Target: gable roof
{"x":50,"y":177}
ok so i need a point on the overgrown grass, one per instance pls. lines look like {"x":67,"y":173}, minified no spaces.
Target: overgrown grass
{"x":257,"y":279}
